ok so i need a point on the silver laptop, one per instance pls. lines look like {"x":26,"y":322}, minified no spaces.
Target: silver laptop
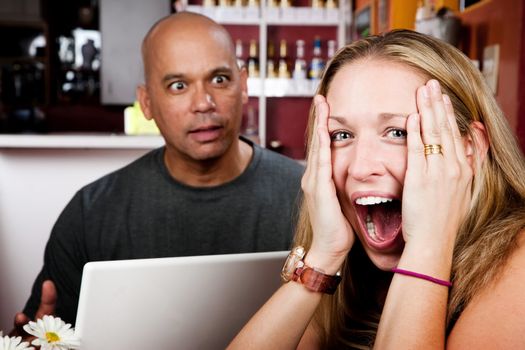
{"x":198,"y":302}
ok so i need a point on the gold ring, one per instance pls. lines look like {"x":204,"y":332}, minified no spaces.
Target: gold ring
{"x":433,"y":149}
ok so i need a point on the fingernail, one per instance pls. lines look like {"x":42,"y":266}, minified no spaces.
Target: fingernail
{"x":434,"y":85}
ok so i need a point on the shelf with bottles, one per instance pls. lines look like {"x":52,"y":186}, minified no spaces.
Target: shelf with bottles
{"x":293,"y":65}
{"x":315,"y":12}
{"x":271,"y":12}
{"x":275,"y":41}
{"x":291,"y":81}
{"x":281,"y":79}
{"x":271,"y":23}
{"x":287,"y":113}
{"x":236,"y":12}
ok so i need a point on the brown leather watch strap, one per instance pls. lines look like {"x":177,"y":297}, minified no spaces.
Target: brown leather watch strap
{"x":315,"y":280}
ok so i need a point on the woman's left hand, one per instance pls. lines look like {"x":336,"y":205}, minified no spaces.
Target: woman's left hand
{"x":436,"y":199}
{"x":437,"y":189}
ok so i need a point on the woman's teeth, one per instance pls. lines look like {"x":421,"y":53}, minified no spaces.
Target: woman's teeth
{"x":371,"y":228}
{"x":372,"y":200}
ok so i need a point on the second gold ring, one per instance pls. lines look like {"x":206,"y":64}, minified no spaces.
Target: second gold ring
{"x":433,"y":149}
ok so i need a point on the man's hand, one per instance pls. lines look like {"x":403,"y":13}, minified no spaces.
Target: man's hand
{"x":47,"y":307}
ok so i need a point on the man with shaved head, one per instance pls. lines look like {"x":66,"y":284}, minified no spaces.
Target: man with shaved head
{"x":207,"y":191}
{"x":195,"y":93}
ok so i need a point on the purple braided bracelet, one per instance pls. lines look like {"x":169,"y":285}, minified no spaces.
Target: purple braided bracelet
{"x":422,"y":276}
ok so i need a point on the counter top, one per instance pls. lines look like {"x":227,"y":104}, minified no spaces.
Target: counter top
{"x":80,"y":141}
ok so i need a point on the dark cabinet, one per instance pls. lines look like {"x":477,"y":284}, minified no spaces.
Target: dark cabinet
{"x":24,"y":74}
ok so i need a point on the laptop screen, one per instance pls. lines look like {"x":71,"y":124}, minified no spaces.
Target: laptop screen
{"x":197,"y":302}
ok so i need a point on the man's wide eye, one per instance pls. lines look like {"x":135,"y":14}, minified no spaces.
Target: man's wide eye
{"x":177,"y":85}
{"x":219,"y":79}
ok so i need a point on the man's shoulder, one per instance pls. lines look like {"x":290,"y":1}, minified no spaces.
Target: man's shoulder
{"x":126,"y":177}
{"x":279,"y":163}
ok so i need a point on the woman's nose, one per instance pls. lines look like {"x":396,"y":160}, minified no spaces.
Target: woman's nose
{"x":366,"y":161}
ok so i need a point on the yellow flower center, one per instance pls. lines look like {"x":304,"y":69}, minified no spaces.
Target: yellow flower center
{"x":52,"y":337}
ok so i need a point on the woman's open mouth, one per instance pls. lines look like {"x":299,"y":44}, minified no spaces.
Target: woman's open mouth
{"x":380,"y":219}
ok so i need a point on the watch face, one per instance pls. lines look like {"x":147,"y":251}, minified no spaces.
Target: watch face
{"x":296,"y":255}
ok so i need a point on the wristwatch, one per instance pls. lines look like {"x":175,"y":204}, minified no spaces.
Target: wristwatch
{"x":294,"y":269}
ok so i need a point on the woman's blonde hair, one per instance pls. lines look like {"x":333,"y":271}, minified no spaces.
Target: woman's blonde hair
{"x":497,"y":213}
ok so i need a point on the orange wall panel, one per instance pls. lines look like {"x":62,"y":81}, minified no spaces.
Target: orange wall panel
{"x":358,"y":4}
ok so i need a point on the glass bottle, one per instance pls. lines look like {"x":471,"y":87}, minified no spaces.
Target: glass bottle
{"x":317,"y":4}
{"x":285,"y":4}
{"x":270,"y":65}
{"x":283,"y":70}
{"x":239,"y":53}
{"x":317,"y":63}
{"x":331,"y":49}
{"x":299,"y":72}
{"x":253,"y":60}
{"x":251,"y":127}
{"x":331,"y":4}
{"x":253,"y":3}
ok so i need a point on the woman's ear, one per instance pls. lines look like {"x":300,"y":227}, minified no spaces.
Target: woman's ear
{"x":476,"y":145}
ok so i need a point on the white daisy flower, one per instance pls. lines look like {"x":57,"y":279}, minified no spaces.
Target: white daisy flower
{"x":7,"y":343}
{"x":52,"y":334}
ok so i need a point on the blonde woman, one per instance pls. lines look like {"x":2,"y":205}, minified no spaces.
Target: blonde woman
{"x":411,"y":233}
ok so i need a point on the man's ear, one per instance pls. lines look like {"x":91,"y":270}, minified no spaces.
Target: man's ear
{"x":144,"y":101}
{"x":477,"y":145}
{"x":244,"y":84}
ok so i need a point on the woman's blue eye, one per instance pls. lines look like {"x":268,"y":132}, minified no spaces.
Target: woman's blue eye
{"x":397,"y":133}
{"x":340,"y":136}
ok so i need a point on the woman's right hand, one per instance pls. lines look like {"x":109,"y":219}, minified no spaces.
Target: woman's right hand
{"x":333,"y":236}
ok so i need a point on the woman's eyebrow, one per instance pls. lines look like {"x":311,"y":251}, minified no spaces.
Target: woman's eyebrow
{"x":385,"y":116}
{"x":339,"y":119}
{"x":393,"y":115}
